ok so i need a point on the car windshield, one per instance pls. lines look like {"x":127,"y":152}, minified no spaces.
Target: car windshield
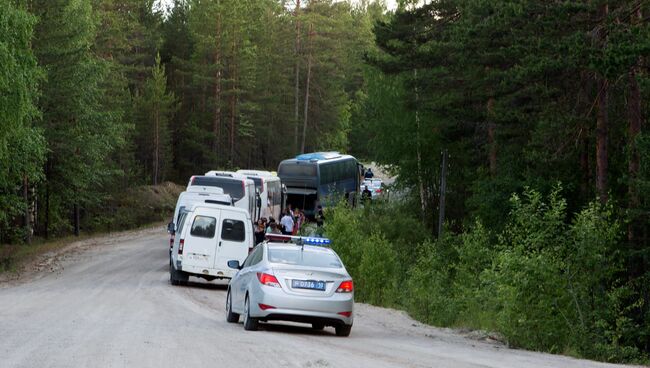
{"x":307,"y":258}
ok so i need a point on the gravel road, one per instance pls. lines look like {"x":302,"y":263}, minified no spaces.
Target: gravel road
{"x":107,"y":302}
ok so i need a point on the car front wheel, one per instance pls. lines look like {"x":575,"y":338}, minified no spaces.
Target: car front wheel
{"x":230,"y":316}
{"x":250,"y":323}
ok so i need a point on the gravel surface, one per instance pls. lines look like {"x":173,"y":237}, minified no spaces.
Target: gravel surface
{"x":107,"y":302}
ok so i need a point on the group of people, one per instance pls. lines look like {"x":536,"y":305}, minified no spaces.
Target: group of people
{"x":290,"y":223}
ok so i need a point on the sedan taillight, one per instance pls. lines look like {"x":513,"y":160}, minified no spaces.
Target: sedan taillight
{"x":268,"y":279}
{"x":346,"y":287}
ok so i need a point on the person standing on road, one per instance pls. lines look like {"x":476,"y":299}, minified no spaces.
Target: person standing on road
{"x":259,"y":231}
{"x":366,"y":195}
{"x":369,"y":174}
{"x":299,"y":219}
{"x":320,"y":217}
{"x":287,"y":223}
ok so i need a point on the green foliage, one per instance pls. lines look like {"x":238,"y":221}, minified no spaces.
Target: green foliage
{"x":22,"y":147}
{"x":154,"y":107}
{"x":545,"y":282}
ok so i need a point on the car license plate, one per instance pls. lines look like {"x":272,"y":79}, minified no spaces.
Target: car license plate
{"x":308,"y":284}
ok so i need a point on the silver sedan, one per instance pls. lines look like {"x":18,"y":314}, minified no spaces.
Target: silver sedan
{"x":290,"y":282}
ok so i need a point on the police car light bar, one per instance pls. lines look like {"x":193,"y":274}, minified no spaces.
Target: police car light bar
{"x":306,"y":240}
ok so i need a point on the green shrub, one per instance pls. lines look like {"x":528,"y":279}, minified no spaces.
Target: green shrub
{"x":378,"y":274}
{"x":430,"y":297}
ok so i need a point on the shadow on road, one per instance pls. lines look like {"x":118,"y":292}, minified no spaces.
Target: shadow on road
{"x":295,"y":329}
{"x":206,"y":285}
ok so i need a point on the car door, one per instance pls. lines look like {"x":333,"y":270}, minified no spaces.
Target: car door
{"x":201,"y":240}
{"x":233,"y":242}
{"x":240,"y":281}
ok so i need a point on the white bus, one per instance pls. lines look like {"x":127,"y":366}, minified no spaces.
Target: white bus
{"x":238,"y":187}
{"x":269,"y":187}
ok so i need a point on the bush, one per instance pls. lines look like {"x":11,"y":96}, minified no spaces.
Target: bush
{"x":545,"y":283}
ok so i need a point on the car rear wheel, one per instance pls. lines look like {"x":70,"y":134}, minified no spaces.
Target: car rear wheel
{"x":250,"y":323}
{"x":317,"y":326}
{"x":343,"y":330}
{"x":230,"y":316}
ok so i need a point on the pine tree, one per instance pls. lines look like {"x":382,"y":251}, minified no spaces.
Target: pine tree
{"x":81,"y":134}
{"x":154,"y":108}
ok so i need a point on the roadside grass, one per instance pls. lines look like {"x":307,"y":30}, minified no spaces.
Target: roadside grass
{"x":138,"y":208}
{"x":14,"y":256}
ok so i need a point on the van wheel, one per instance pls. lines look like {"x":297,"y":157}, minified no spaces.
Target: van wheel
{"x":317,"y":326}
{"x":250,"y":323}
{"x":177,"y":277}
{"x":172,"y":275}
{"x":231,"y":317}
{"x":343,"y":330}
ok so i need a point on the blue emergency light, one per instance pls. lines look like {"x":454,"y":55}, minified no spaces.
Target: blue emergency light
{"x":317,"y":241}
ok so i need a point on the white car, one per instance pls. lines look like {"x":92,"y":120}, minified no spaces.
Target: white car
{"x":374,"y":185}
{"x":292,"y":282}
{"x":208,"y":236}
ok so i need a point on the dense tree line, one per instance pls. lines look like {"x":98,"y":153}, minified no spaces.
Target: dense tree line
{"x":534,"y":101}
{"x":527,"y":96}
{"x":99,"y":96}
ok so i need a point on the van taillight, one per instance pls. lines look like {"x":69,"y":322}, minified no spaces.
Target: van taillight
{"x":181,"y":243}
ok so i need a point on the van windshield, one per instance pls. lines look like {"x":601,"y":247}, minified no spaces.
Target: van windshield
{"x":230,"y":186}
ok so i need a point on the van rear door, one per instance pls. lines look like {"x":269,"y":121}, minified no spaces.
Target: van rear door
{"x":235,"y":239}
{"x":201,"y":240}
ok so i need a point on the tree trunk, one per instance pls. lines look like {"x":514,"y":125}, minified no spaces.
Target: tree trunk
{"x":47,"y":200}
{"x":28,"y":223}
{"x":491,"y":135}
{"x":216,"y":122}
{"x":296,"y":112}
{"x":305,"y":120}
{"x":602,"y":131}
{"x":602,"y":121}
{"x":418,"y":151}
{"x":156,"y":145}
{"x":233,"y":104}
{"x":75,"y":214}
{"x":635,"y":118}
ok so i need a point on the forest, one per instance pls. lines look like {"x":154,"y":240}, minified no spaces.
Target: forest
{"x":541,"y":108}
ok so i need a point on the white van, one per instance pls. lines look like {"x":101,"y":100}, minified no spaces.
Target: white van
{"x":195,"y":195}
{"x":270,"y":190}
{"x":239,"y":187}
{"x":208,"y":236}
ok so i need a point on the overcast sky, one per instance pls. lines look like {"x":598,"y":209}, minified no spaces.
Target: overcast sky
{"x":391,"y":4}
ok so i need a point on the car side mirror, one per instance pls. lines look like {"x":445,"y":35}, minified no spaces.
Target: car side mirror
{"x":234,"y":264}
{"x":171,"y":228}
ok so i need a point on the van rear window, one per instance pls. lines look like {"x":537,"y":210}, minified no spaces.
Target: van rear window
{"x":233,"y":230}
{"x":230,"y":186}
{"x":204,"y":227}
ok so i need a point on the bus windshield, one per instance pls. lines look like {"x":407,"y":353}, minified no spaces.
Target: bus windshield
{"x":230,"y":186}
